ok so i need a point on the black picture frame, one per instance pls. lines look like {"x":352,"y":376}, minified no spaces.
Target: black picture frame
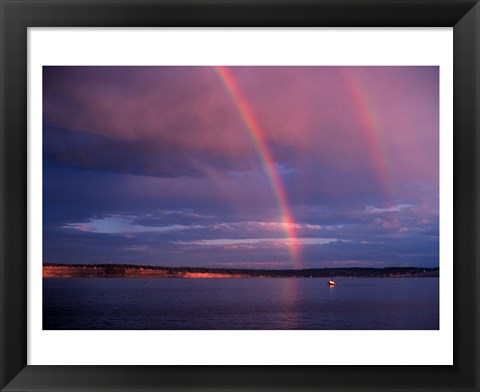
{"x":18,"y":15}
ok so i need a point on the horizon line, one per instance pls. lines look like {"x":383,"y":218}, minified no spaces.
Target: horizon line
{"x":228,"y":268}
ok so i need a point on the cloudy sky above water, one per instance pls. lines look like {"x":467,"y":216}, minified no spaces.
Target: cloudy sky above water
{"x":242,"y":167}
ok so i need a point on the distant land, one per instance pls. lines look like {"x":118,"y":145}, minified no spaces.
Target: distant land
{"x":147,"y":271}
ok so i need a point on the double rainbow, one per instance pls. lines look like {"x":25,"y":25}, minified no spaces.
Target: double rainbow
{"x":370,"y":125}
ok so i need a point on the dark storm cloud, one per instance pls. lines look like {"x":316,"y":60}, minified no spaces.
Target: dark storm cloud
{"x":137,"y":157}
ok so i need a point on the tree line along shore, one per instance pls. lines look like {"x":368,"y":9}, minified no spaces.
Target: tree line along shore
{"x":146,"y":271}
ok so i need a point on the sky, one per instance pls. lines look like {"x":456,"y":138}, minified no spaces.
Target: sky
{"x":241,"y":167}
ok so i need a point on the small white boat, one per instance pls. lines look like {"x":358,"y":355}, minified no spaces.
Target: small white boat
{"x":332,"y":283}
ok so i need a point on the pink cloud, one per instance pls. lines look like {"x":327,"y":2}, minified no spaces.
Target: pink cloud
{"x":253,"y":243}
{"x":305,"y":113}
{"x":78,"y":227}
{"x":267,"y":226}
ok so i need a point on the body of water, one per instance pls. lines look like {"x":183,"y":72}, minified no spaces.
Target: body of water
{"x":238,"y":304}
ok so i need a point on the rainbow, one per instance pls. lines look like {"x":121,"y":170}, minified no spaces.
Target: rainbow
{"x":257,"y":135}
{"x":373,"y":134}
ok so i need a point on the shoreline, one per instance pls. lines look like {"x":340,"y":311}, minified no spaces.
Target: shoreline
{"x":52,"y":271}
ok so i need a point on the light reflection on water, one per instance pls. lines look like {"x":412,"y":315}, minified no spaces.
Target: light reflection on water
{"x":292,"y":292}
{"x":331,"y":293}
{"x":275,"y":303}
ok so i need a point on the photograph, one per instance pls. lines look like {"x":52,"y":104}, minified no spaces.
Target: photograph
{"x":240,"y":197}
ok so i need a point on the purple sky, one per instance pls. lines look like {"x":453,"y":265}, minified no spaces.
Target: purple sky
{"x":159,"y":165}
